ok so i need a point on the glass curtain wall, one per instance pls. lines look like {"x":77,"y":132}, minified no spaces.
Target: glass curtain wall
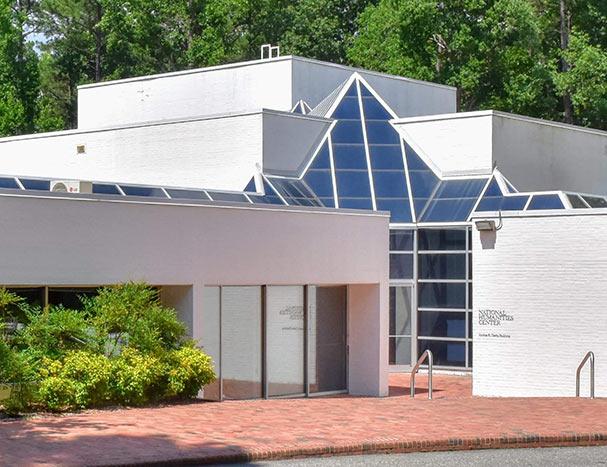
{"x":444,"y":296}
{"x":273,"y":341}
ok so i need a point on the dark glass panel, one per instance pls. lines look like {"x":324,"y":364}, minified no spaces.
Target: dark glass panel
{"x":386,"y":157}
{"x":401,"y":240}
{"x":364,"y":91}
{"x":70,"y":297}
{"x":442,"y":295}
{"x":6,"y":182}
{"x":493,"y":189}
{"x":347,"y":109}
{"x":381,"y":132}
{"x":355,"y":203}
{"x":230,"y":197}
{"x":401,"y":266}
{"x":105,"y":189}
{"x":491,"y":203}
{"x":250,"y":186}
{"x":445,"y":353}
{"x":448,"y":210}
{"x":327,"y":202}
{"x":442,"y":266}
{"x":450,"y":189}
{"x":259,"y":199}
{"x":423,"y":183}
{"x":349,"y":156}
{"x":348,"y":132}
{"x":442,"y":324}
{"x":576,"y":202}
{"x":545,"y":202}
{"x":321,"y":182}
{"x":35,"y":184}
{"x":352,"y":91}
{"x":351,"y":184}
{"x":400,"y":211}
{"x":442,"y":239}
{"x":390,"y":184}
{"x":186,"y":194}
{"x":143,"y":191}
{"x":373,"y":109}
{"x":321,"y":161}
{"x":514,"y":203}
{"x":595,"y":202}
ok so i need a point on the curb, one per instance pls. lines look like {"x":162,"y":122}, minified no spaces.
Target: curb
{"x":391,"y":446}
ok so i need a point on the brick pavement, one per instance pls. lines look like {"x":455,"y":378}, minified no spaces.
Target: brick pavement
{"x":249,"y":430}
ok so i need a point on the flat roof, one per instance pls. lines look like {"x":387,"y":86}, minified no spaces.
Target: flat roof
{"x":259,"y":62}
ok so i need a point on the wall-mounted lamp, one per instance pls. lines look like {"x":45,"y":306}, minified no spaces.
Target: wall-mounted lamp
{"x":485,"y":226}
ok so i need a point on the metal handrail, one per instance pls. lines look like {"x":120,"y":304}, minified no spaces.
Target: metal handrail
{"x":589,"y":355}
{"x":426,"y":354}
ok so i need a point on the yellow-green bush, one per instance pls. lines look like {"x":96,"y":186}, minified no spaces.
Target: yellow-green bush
{"x":188,"y":369}
{"x":136,"y":377}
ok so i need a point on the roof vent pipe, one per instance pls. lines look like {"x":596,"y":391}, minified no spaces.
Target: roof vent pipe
{"x":270,"y":51}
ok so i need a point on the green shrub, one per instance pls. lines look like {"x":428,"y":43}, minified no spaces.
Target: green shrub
{"x":9,"y":305}
{"x":54,"y":331}
{"x":188,"y":370}
{"x":58,"y":394}
{"x":91,"y":373}
{"x":137,"y":378}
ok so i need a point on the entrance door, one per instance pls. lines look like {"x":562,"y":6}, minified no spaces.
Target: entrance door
{"x":401,"y":308}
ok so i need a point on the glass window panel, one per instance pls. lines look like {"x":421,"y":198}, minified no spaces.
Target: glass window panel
{"x":595,"y":202}
{"x":347,"y":109}
{"x":400,"y":311}
{"x":355,"y":203}
{"x":230,"y":197}
{"x":241,"y":342}
{"x":364,"y":91}
{"x":445,"y":353}
{"x":351,"y":184}
{"x":105,"y":189}
{"x":442,"y":324}
{"x":381,"y":132}
{"x":347,"y":131}
{"x":6,"y":182}
{"x":400,"y":351}
{"x":285,"y":340}
{"x":423,"y":183}
{"x":327,"y":202}
{"x":401,"y":266}
{"x":493,"y":189}
{"x":266,"y":199}
{"x":327,"y":370}
{"x":442,"y":239}
{"x":142,"y":191}
{"x":35,"y":184}
{"x":390,"y":184}
{"x":442,"y":295}
{"x":448,"y":210}
{"x":442,"y":266}
{"x":321,"y":161}
{"x":352,"y":91}
{"x":69,"y":297}
{"x":386,"y":157}
{"x":400,"y":211}
{"x":211,"y":336}
{"x":545,"y":202}
{"x":491,"y":203}
{"x":320,"y":181}
{"x":514,"y":203}
{"x":401,"y":240}
{"x":450,"y":189}
{"x":349,"y":156}
{"x":186,"y":194}
{"x":374,"y":110}
{"x":576,"y":202}
{"x":251,"y":187}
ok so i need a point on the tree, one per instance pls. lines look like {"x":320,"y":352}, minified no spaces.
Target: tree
{"x":18,"y":73}
{"x":490,"y":49}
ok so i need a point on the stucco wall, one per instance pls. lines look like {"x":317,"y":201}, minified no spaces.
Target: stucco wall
{"x":540,"y":288}
{"x":54,"y":240}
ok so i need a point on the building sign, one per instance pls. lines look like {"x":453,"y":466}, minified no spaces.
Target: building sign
{"x":492,"y":321}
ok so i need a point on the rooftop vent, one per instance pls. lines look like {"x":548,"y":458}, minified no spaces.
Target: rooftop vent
{"x":270,"y":51}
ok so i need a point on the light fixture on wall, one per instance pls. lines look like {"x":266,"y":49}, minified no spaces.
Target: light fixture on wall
{"x":488,"y":225}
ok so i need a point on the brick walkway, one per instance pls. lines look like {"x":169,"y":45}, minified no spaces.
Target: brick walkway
{"x":205,"y":432}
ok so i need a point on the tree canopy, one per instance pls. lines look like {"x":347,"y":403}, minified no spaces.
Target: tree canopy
{"x":543,"y":58}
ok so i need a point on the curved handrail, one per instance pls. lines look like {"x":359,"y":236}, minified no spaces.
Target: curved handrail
{"x":589,"y":355}
{"x":427,"y":354}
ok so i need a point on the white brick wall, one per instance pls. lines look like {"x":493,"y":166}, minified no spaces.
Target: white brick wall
{"x":549,"y":274}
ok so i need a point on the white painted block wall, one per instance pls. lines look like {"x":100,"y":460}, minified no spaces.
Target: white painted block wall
{"x":547,"y":277}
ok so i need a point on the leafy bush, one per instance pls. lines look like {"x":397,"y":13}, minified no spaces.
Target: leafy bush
{"x":136,"y":377}
{"x":125,"y":348}
{"x":188,"y":369}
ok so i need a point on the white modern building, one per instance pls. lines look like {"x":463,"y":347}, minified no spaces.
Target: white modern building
{"x":315,"y":226}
